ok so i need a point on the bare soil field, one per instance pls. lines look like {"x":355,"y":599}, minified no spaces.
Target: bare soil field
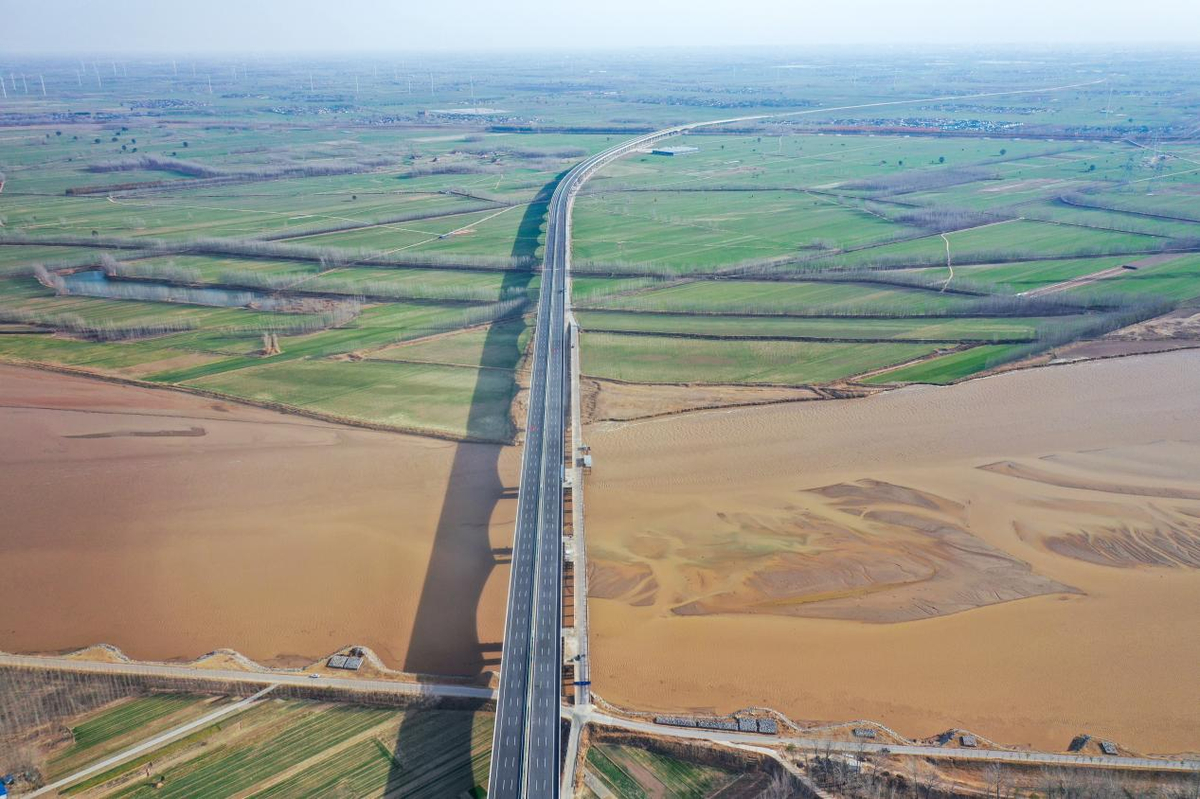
{"x":1182,"y":324}
{"x":1177,"y":330}
{"x":1015,"y":555}
{"x":171,"y":525}
{"x":612,"y":400}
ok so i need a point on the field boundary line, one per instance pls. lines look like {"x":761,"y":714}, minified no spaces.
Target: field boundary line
{"x":801,"y":339}
{"x":313,"y":760}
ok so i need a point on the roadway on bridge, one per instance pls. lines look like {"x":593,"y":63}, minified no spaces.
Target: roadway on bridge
{"x":526,"y":743}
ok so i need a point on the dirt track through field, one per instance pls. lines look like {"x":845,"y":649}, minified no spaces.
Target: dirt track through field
{"x":1083,"y":280}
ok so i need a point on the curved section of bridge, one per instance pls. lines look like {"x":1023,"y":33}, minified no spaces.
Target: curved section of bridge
{"x":526,"y":742}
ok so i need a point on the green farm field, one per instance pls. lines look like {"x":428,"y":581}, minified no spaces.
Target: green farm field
{"x":299,"y":193}
{"x":124,"y":725}
{"x":1020,"y":276}
{"x":631,"y":772}
{"x":689,"y":231}
{"x":948,"y":368}
{"x":1021,"y":238}
{"x":500,"y":345}
{"x":664,"y":359}
{"x":454,"y":400}
{"x":303,"y":748}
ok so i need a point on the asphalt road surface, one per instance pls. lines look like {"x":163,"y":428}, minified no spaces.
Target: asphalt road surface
{"x":303,"y":679}
{"x":526,"y":742}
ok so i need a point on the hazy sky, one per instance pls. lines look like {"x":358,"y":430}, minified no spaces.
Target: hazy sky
{"x":394,"y":25}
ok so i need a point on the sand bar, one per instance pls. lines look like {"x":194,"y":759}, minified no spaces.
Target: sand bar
{"x":714,"y":507}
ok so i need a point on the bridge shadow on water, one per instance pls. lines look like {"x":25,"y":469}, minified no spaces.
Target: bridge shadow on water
{"x":445,"y":637}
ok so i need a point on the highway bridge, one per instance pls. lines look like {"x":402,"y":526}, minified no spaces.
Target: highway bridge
{"x":526,"y":743}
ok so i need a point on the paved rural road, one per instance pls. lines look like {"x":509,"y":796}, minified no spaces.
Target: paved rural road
{"x":855,"y":748}
{"x":257,"y":678}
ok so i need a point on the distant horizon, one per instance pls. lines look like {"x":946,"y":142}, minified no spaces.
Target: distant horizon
{"x":70,"y":27}
{"x":825,"y":50}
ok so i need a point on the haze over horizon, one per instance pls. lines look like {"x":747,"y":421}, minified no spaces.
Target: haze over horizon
{"x":75,"y":26}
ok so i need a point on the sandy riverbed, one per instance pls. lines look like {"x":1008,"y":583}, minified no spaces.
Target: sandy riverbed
{"x":855,"y":559}
{"x":1015,"y":555}
{"x":170,"y":525}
